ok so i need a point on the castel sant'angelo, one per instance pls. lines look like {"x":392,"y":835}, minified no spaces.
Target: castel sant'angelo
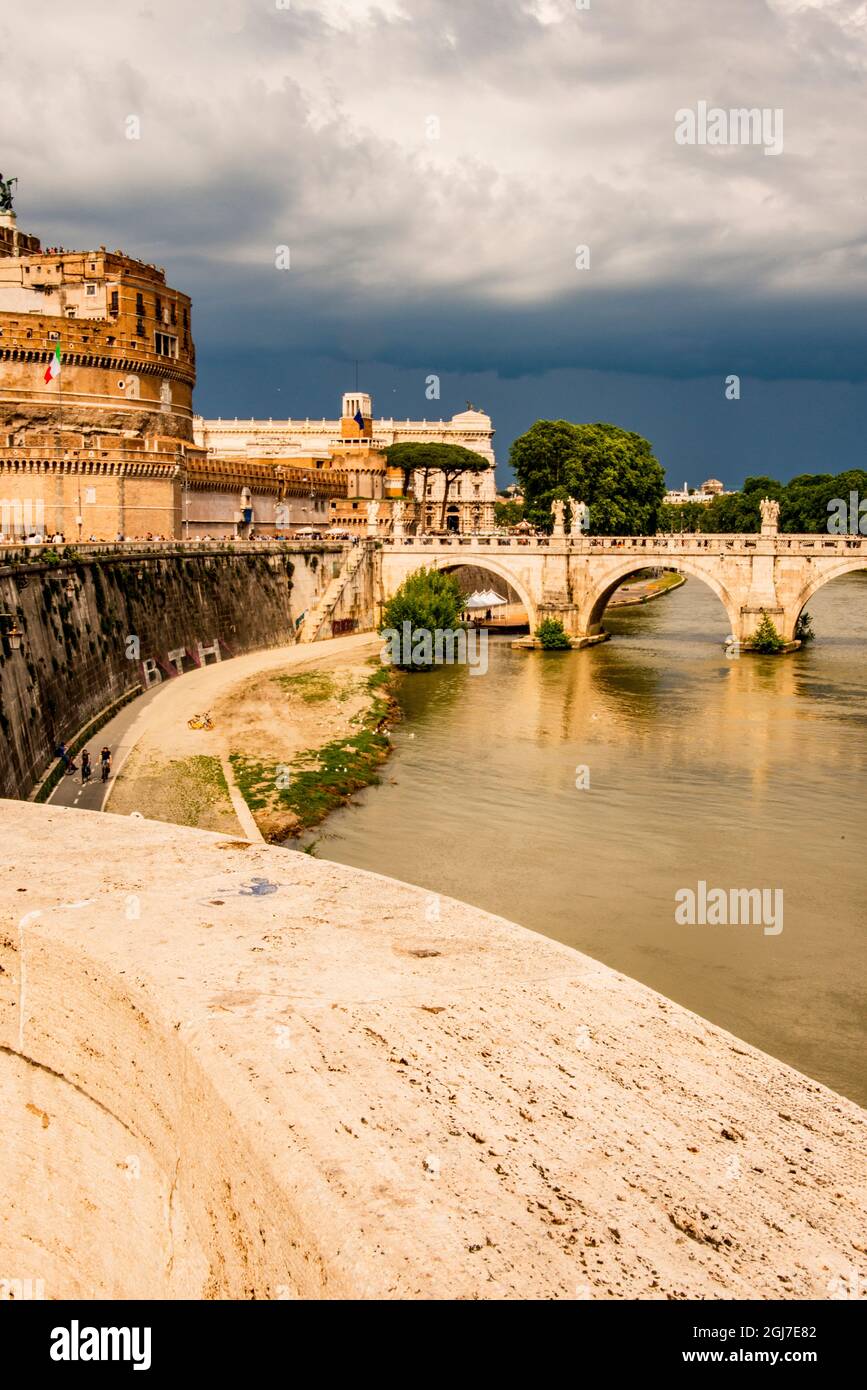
{"x":99,"y":440}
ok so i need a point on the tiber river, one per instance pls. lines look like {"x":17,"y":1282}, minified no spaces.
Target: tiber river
{"x":746,"y":773}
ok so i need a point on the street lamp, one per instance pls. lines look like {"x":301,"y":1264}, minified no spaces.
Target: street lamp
{"x":10,"y":631}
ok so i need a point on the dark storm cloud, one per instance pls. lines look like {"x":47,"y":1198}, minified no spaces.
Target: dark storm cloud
{"x":311,"y":127}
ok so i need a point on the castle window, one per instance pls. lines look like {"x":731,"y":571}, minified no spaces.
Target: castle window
{"x":114,"y":306}
{"x":90,"y":290}
{"x":139,"y":328}
{"x":139,"y":305}
{"x":165,"y":345}
{"x":159,"y":308}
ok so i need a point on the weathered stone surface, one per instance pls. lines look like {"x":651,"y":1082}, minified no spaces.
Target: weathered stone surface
{"x":235,"y":1071}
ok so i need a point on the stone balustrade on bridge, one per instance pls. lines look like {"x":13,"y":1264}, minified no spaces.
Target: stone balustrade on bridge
{"x":572,"y":577}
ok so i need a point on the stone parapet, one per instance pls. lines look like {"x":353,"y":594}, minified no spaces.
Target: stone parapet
{"x":234,"y":1071}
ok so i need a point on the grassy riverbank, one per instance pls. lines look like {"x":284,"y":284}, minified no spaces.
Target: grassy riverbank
{"x":644,"y":586}
{"x":288,"y":798}
{"x":294,"y":740}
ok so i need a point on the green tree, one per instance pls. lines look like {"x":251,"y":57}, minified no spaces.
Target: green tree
{"x":766,"y":639}
{"x":804,"y":632}
{"x":542,"y":459}
{"x":449,"y":459}
{"x":553,"y":636}
{"x":681,"y":516}
{"x":613,"y":470}
{"x":429,"y":600}
{"x":811,"y":502}
{"x":508,"y":513}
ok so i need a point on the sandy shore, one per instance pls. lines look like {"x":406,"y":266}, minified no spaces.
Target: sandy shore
{"x":270,"y":707}
{"x":232,"y":1070}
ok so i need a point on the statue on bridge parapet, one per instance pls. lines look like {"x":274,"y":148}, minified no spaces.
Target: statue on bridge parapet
{"x":770,"y":510}
{"x":372,"y":518}
{"x":580,"y":519}
{"x":558,"y":511}
{"x":398,"y":517}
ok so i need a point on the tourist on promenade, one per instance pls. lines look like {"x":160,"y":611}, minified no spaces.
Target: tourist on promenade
{"x":105,"y":760}
{"x":85,"y":767}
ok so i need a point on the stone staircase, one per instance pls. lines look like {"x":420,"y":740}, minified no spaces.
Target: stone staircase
{"x":319,"y":616}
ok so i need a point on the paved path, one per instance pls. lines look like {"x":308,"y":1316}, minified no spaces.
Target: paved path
{"x":177,"y":700}
{"x":120,"y":734}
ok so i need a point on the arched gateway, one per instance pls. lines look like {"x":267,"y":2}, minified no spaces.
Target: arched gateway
{"x":573,"y":577}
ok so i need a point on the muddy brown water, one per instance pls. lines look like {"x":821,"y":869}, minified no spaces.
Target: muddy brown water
{"x":744,"y":773}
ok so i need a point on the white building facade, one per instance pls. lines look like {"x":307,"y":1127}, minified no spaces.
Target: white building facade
{"x":355,"y":444}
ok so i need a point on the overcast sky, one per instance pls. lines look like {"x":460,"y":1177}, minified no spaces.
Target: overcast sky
{"x":432,"y":166}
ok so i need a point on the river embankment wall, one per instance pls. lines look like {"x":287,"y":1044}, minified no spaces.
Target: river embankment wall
{"x":100,"y":623}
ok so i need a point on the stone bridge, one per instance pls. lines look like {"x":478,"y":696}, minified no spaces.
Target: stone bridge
{"x":573,"y":577}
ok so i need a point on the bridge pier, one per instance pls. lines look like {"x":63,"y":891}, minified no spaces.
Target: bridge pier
{"x":569,"y":614}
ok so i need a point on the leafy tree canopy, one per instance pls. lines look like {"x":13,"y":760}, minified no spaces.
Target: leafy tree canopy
{"x":613,"y":470}
{"x":508,"y":513}
{"x":805,"y":505}
{"x":428,"y":600}
{"x":432,"y":458}
{"x":449,"y":459}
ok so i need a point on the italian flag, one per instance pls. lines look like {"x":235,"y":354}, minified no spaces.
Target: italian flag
{"x":53,"y":368}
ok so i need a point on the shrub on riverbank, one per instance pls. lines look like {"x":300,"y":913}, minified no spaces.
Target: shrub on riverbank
{"x":553,"y":636}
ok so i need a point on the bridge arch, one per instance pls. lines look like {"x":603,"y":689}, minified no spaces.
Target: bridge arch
{"x":450,"y":562}
{"x":592,"y":609}
{"x":817,"y":580}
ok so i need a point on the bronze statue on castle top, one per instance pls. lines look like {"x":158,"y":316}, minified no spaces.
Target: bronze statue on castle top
{"x":6,"y":193}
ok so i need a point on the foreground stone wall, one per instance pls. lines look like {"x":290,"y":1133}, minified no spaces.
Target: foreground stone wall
{"x":119,"y":620}
{"x":211,"y":1090}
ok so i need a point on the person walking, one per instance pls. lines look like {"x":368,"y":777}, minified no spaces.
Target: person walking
{"x":85,"y":767}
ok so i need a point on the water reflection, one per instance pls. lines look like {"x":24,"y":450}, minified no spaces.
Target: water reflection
{"x":743,"y":773}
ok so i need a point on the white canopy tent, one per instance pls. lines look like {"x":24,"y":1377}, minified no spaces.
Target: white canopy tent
{"x":484,"y":598}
